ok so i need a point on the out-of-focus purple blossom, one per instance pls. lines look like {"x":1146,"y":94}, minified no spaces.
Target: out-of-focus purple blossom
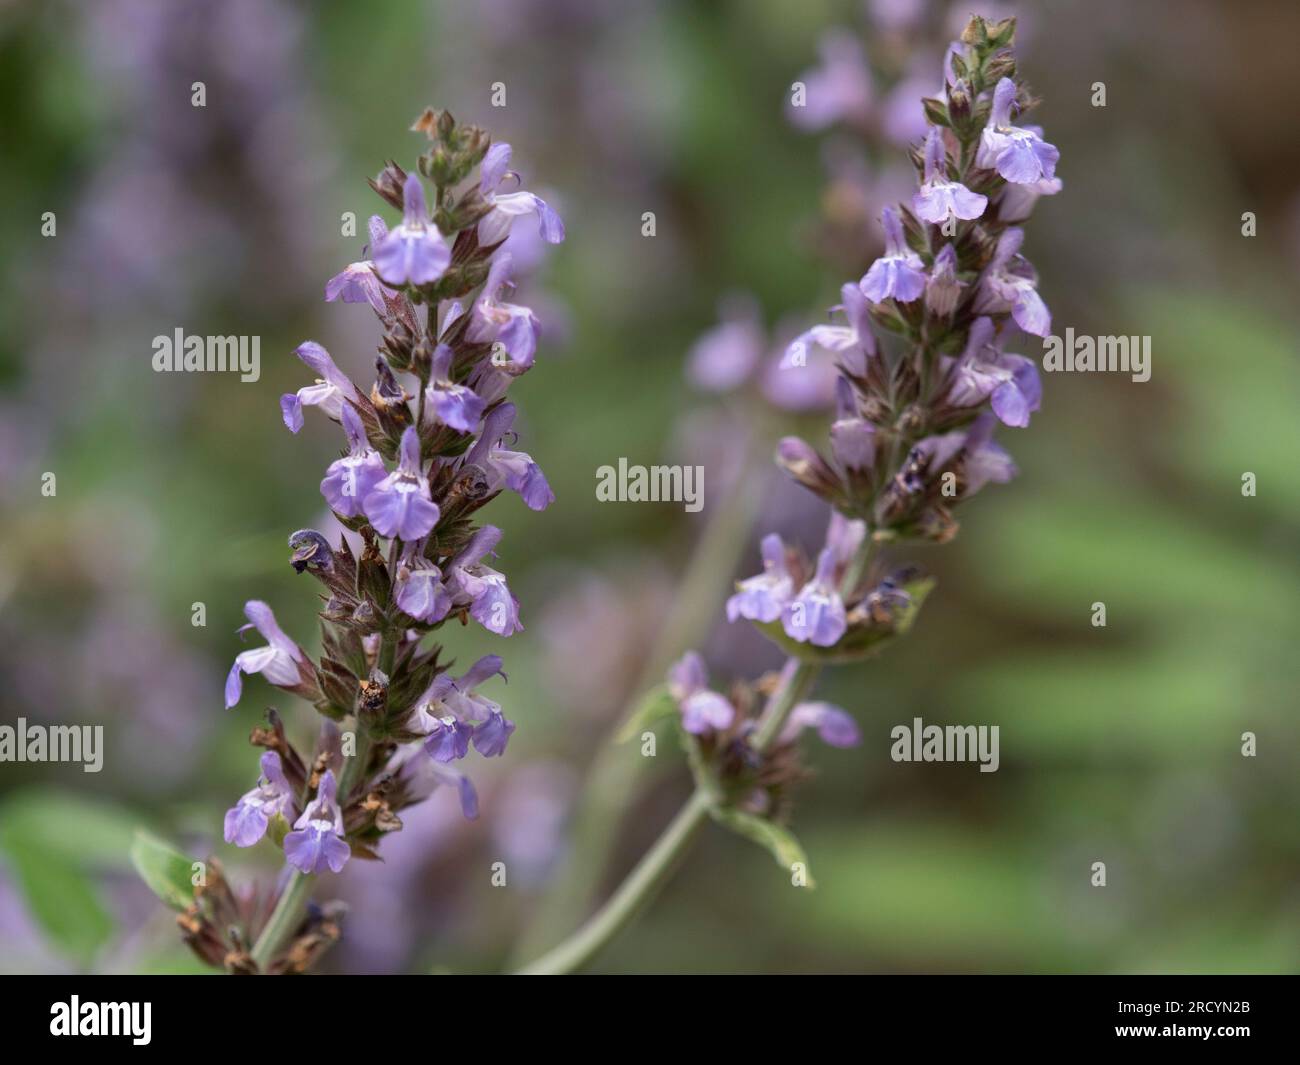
{"x":401,"y":505}
{"x":764,"y":597}
{"x":317,"y":842}
{"x":724,"y":358}
{"x":413,"y":253}
{"x":839,"y":90}
{"x":702,"y":710}
{"x":350,"y":479}
{"x":939,"y":198}
{"x":817,"y":615}
{"x":281,"y":661}
{"x":898,"y":274}
{"x":835,"y":727}
{"x":1018,"y":153}
{"x":246,"y":822}
{"x":332,"y":387}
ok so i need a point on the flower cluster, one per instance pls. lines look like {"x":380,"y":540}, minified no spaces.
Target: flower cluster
{"x":923,"y":379}
{"x":418,"y":462}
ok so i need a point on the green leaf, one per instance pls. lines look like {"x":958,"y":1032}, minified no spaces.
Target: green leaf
{"x":657,"y":703}
{"x":166,"y":870}
{"x":779,"y":841}
{"x":60,"y":898}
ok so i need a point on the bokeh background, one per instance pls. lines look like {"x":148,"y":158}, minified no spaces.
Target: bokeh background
{"x":1120,"y":744}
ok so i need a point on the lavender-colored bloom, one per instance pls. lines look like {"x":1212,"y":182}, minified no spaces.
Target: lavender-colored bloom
{"x":496,"y":322}
{"x":317,"y":841}
{"x":702,"y":710}
{"x":413,"y":253}
{"x":247,"y":821}
{"x":835,"y":727}
{"x":1018,"y":153}
{"x":816,"y":615}
{"x":332,"y":387}
{"x":280,"y":661}
{"x":724,"y":357}
{"x":400,"y":505}
{"x":762,"y":598}
{"x":853,"y":443}
{"x":943,"y":289}
{"x":358,"y":282}
{"x":470,"y":581}
{"x":899,"y":273}
{"x":452,"y":404}
{"x":1016,"y":203}
{"x":838,"y":90}
{"x":982,"y":460}
{"x":350,"y":479}
{"x":1009,"y":284}
{"x":515,"y":469}
{"x":844,"y":536}
{"x":420,"y":593}
{"x":453,"y":710}
{"x":445,"y":774}
{"x":507,"y":206}
{"x":854,"y":343}
{"x":940,"y":199}
{"x":1010,"y":382}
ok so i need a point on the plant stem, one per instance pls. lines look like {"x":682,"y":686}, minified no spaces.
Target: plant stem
{"x":658,"y":863}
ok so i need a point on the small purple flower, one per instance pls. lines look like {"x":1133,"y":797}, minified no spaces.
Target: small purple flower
{"x":764,"y":597}
{"x":452,"y":404}
{"x":317,"y":841}
{"x":350,"y":479}
{"x":1016,"y":203}
{"x":247,"y":821}
{"x":507,"y":206}
{"x":515,"y":469}
{"x":982,"y":460}
{"x":401,"y":505}
{"x":510,"y":328}
{"x":281,"y":661}
{"x":420,"y":592}
{"x":702,"y":710}
{"x":1010,"y":382}
{"x":413,"y":253}
{"x":940,"y":199}
{"x":943,"y":289}
{"x":332,"y":387}
{"x":816,"y":615}
{"x":1009,"y":283}
{"x":470,"y":581}
{"x":833,"y":725}
{"x":358,"y":282}
{"x":457,"y":715}
{"x":898,"y":274}
{"x":854,"y":343}
{"x":1018,"y":153}
{"x":724,"y":358}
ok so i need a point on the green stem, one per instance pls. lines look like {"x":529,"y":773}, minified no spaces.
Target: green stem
{"x":658,"y":863}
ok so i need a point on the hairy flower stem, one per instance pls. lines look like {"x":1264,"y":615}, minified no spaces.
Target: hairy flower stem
{"x":658,"y":863}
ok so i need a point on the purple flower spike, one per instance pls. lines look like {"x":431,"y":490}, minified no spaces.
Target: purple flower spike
{"x":414,"y":253}
{"x":317,"y":843}
{"x":247,"y":821}
{"x":939,"y":198}
{"x":816,"y":615}
{"x":1019,"y":154}
{"x":833,"y":725}
{"x":452,"y":404}
{"x":350,"y":479}
{"x":280,"y":661}
{"x":764,"y":597}
{"x":400,"y":505}
{"x":332,"y":387}
{"x":898,"y":274}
